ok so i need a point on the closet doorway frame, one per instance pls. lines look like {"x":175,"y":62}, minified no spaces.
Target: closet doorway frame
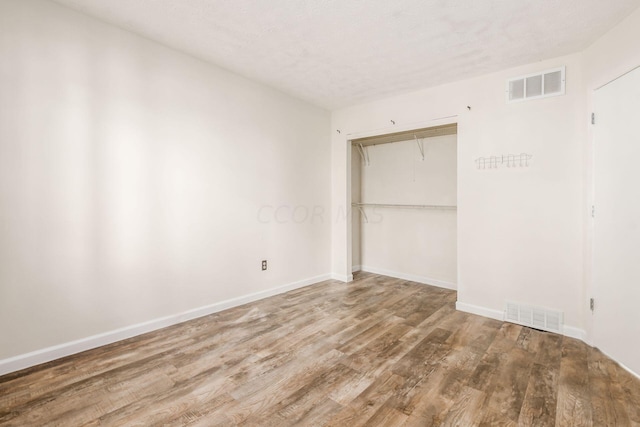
{"x":449,"y":120}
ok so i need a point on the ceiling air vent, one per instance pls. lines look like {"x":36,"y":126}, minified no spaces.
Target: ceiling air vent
{"x":534,"y":317}
{"x":538,"y":85}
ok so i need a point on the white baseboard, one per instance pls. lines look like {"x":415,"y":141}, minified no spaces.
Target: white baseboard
{"x":48,"y":354}
{"x":480,"y":311}
{"x":626,"y":368}
{"x":573,"y":332}
{"x":569,"y":331}
{"x":356,"y":268}
{"x":342,"y":277}
{"x":410,"y":277}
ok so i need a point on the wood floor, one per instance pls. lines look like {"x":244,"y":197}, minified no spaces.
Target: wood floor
{"x":375,"y":352}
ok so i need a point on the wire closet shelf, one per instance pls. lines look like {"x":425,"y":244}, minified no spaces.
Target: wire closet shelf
{"x":361,"y":207}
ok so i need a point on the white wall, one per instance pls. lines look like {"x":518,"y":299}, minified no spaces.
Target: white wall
{"x":614,"y":54}
{"x":416,"y":243}
{"x":520,"y":232}
{"x":132,"y":179}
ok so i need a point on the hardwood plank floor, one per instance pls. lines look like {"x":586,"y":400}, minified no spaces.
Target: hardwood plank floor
{"x":375,"y":352}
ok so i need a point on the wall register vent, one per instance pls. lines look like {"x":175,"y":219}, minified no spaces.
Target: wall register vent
{"x":534,"y":317}
{"x":534,"y":86}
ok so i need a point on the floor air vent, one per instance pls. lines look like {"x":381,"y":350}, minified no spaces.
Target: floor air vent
{"x":534,"y":317}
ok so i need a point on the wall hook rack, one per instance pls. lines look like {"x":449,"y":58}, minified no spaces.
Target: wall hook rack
{"x":509,"y":160}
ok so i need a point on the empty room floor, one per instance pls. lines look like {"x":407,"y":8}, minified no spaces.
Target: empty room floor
{"x":377,"y":351}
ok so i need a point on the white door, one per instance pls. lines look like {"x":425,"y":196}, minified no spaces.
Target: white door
{"x":616,"y":268}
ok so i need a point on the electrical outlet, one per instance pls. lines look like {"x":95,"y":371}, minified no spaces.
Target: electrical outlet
{"x":264,"y":264}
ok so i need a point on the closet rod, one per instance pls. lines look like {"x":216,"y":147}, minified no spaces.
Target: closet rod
{"x":443,"y":130}
{"x":390,"y":205}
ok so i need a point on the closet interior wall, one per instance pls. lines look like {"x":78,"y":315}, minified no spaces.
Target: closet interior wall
{"x":414,"y":243}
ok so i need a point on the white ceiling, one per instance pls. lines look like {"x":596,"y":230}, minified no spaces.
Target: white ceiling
{"x":336,"y":53}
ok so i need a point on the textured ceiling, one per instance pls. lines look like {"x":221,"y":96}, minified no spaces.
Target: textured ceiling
{"x":335,"y":53}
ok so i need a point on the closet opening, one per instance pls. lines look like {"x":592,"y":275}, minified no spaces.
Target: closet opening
{"x":404,"y":205}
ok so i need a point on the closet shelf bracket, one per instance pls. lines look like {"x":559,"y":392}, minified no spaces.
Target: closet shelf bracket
{"x":362,"y":212}
{"x":364,"y":153}
{"x":420,"y":143}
